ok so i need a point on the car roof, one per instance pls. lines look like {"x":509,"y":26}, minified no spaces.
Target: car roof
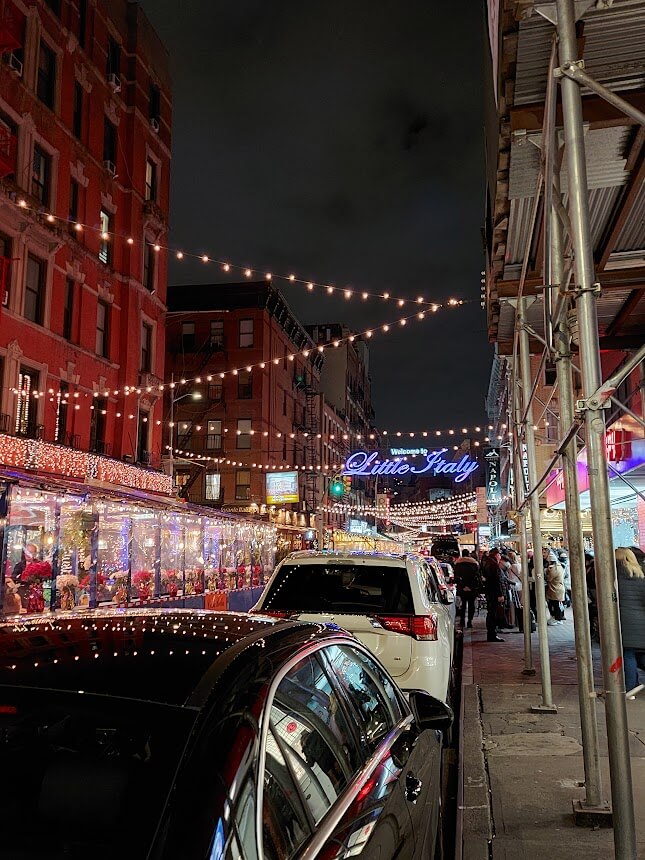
{"x":324,"y":556}
{"x":169,"y":656}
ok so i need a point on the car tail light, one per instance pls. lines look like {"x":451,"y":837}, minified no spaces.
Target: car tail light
{"x":422,"y":627}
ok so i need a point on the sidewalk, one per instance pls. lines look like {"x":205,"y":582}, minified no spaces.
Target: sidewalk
{"x":519,"y":772}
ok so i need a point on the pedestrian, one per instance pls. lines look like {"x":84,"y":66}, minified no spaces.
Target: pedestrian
{"x":554,"y":584}
{"x":508,"y":621}
{"x":494,"y":594}
{"x":563,"y":558}
{"x":514,"y":577}
{"x":468,"y":582}
{"x":631,"y":602}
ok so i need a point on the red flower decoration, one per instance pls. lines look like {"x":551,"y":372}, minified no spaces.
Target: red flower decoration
{"x":37,"y":570}
{"x":142,"y":578}
{"x":101,"y":579}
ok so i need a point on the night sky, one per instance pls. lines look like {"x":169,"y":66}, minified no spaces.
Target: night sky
{"x":341,"y":141}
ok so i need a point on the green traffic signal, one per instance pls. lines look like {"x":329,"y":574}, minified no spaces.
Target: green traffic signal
{"x":337,"y":488}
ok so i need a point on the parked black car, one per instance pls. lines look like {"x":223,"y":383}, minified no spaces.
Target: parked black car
{"x":181,"y":734}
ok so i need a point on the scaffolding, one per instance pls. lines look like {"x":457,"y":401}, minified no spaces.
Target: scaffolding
{"x":558,"y":235}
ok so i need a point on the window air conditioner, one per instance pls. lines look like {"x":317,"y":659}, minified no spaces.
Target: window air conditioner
{"x":154,"y":124}
{"x":115,"y":82}
{"x":15,"y":64}
{"x":110,"y":167}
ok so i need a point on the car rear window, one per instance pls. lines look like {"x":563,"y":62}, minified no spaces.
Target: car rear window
{"x":89,"y":774}
{"x":340,"y":588}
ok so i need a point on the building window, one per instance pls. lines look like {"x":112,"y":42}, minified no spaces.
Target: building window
{"x":74,"y":190}
{"x":151,"y":180}
{"x":284,"y":402}
{"x":41,"y":175}
{"x":9,"y":137}
{"x":54,"y":5}
{"x":62,"y":406}
{"x":46,"y":82}
{"x":188,"y":337}
{"x":214,"y":435}
{"x":113,"y":58}
{"x":105,"y":246}
{"x":244,"y":385}
{"x":246,"y":333}
{"x":5,"y":270}
{"x":213,"y":486}
{"x":26,"y":407}
{"x":35,"y":290}
{"x":215,"y":391}
{"x":243,"y":484}
{"x":155,"y":102}
{"x":82,"y":22}
{"x":217,"y":333}
{"x":146,"y":348}
{"x":68,"y":309}
{"x":284,"y":449}
{"x":77,"y":112}
{"x":184,"y":432}
{"x":143,"y":431}
{"x":149,"y":267}
{"x":98,"y":422}
{"x":102,"y":328}
{"x":109,"y":143}
{"x":244,"y":433}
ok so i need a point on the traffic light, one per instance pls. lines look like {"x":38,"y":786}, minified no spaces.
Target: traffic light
{"x":347,"y":482}
{"x":337,"y":488}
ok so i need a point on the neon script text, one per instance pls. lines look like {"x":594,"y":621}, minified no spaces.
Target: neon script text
{"x":364,"y":464}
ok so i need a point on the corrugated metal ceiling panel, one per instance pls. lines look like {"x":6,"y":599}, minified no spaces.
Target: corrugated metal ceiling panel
{"x":632,"y":236}
{"x":614,"y":50}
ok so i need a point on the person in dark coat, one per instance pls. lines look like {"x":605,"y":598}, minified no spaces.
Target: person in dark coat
{"x":468,"y":585}
{"x":631,"y":602}
{"x":495,"y":594}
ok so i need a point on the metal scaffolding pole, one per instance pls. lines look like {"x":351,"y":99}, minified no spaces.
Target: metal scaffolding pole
{"x":605,"y":565}
{"x":518,"y":489}
{"x":538,"y":568}
{"x":592,"y":807}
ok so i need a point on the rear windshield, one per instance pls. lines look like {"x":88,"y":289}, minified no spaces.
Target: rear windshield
{"x":340,"y":588}
{"x":85,"y":776}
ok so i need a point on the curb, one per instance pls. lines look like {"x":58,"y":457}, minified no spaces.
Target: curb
{"x":474,"y":824}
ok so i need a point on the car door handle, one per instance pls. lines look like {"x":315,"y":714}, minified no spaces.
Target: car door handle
{"x":412,"y":787}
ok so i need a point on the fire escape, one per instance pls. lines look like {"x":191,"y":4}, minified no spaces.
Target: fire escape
{"x":309,"y":428}
{"x":205,"y":353}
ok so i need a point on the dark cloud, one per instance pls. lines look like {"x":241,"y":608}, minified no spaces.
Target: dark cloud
{"x":341,"y":141}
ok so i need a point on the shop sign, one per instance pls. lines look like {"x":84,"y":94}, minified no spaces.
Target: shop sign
{"x":525,"y":468}
{"x":493,"y":485}
{"x":282,"y":488}
{"x":624,"y":452}
{"x":364,"y":464}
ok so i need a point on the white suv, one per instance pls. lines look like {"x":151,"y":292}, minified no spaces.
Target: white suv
{"x":397,"y":605}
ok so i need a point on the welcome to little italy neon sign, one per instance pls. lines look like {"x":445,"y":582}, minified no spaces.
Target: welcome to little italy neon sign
{"x":363,"y":464}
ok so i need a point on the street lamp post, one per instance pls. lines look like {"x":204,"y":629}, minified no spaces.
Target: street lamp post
{"x":196,"y":395}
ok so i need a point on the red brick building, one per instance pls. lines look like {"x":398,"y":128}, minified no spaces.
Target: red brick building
{"x":85,"y":119}
{"x":246,"y":421}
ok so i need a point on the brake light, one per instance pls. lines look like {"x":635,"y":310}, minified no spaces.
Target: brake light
{"x":421,"y":627}
{"x":425,"y":627}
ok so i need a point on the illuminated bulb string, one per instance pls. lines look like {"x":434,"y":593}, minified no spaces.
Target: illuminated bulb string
{"x":229,"y":267}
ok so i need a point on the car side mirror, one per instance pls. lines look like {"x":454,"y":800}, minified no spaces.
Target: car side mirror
{"x":430,"y":713}
{"x":446,"y":597}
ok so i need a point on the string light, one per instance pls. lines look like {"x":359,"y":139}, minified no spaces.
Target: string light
{"x":34,"y":454}
{"x":226,"y":265}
